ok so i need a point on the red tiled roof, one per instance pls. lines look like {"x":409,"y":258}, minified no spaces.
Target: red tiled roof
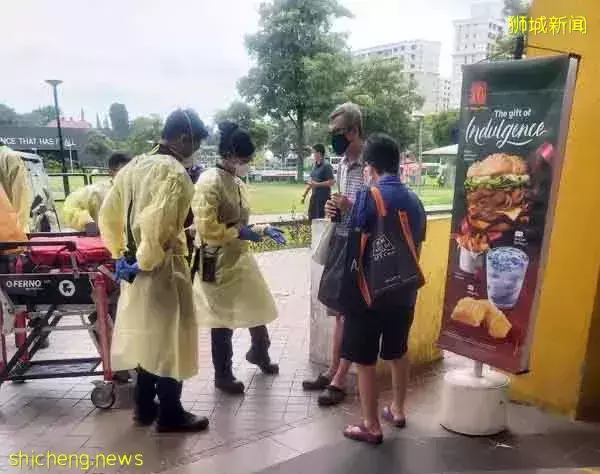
{"x":70,"y":123}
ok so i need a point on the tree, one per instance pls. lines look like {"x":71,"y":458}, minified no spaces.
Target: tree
{"x":39,"y":117}
{"x":105,"y":123}
{"x":442,"y":125}
{"x":8,"y":116}
{"x":247,"y":117}
{"x":299,"y":63}
{"x":145,"y":131}
{"x":119,"y":118}
{"x":386,"y":98}
{"x":98,"y":147}
{"x":505,"y":45}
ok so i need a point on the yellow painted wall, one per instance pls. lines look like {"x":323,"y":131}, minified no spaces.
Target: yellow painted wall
{"x":568,"y":292}
{"x":422,"y":344}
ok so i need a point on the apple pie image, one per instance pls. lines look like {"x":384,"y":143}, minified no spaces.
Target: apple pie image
{"x":468,"y":311}
{"x":477,"y":313}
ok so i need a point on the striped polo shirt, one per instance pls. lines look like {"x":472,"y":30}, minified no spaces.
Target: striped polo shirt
{"x":350,"y":180}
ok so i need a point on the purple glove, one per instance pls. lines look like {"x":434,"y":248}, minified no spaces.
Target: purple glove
{"x":126,"y":271}
{"x":276,"y":234}
{"x":246,"y":233}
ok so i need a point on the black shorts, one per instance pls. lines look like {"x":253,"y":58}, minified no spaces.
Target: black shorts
{"x":376,"y":333}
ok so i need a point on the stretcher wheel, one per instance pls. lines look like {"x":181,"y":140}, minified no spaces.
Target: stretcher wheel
{"x":103,"y":396}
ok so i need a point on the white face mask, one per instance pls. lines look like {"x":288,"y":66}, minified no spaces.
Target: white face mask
{"x":241,"y":170}
{"x":368,"y":176}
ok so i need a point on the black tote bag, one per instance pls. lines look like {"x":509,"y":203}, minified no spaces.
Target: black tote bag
{"x":339,"y":286}
{"x":388,"y":256}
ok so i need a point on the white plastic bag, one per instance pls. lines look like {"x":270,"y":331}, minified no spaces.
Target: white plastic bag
{"x":8,"y":314}
{"x":321,"y":251}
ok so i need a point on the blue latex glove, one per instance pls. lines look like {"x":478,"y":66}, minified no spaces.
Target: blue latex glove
{"x":276,"y":234}
{"x":126,"y":271}
{"x":247,"y":233}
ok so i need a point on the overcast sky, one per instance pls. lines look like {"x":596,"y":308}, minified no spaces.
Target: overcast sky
{"x":156,"y":55}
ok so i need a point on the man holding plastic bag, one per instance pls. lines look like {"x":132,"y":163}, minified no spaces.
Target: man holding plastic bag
{"x":347,"y":140}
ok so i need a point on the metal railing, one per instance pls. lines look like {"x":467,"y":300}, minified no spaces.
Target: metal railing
{"x":88,"y":178}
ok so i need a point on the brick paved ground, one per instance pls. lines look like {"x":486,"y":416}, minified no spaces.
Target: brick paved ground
{"x":58,"y":415}
{"x":276,"y":421}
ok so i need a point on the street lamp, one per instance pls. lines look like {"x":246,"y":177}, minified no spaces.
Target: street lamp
{"x":420,"y":116}
{"x":70,"y":146}
{"x":54,"y":83}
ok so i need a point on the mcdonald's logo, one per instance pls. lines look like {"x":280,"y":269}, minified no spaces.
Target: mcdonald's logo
{"x":478,"y":93}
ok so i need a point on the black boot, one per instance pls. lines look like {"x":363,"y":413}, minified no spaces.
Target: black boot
{"x":222,"y":354}
{"x":146,"y":409}
{"x":172,"y":418}
{"x":259,"y":351}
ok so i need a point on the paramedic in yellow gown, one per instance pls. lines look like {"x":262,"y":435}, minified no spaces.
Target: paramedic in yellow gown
{"x":14,"y":179}
{"x":80,"y":213}
{"x":156,"y":329}
{"x":229,"y":289}
{"x":81,"y":208}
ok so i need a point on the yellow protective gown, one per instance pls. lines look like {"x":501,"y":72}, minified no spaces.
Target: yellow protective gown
{"x":240,"y":297}
{"x":155,"y":325}
{"x":82,"y":206}
{"x":15,"y":181}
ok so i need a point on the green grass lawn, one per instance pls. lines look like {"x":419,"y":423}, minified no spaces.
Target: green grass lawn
{"x":274,"y":198}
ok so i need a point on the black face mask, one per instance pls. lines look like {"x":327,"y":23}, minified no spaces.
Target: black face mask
{"x":340,"y":144}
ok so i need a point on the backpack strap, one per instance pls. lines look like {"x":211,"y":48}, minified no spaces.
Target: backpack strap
{"x":379,"y":202}
{"x":405,"y":226}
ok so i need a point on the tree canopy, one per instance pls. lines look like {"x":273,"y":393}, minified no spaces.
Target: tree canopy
{"x":39,"y":117}
{"x":505,"y":46}
{"x":144,"y":132}
{"x":246,"y":116}
{"x":386,"y":97}
{"x":442,"y":125}
{"x":98,"y":146}
{"x":298,"y":62}
{"x":119,"y":118}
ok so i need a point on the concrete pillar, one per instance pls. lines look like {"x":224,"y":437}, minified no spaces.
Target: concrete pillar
{"x":321,"y":325}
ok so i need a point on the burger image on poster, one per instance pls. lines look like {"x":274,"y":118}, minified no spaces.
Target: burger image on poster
{"x":496,"y":194}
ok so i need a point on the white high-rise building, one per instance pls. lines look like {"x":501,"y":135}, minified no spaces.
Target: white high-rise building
{"x":419,"y":60}
{"x":444,"y":94}
{"x":474,"y":40}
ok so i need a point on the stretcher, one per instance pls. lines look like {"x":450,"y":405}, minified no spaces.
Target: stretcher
{"x":53,"y":276}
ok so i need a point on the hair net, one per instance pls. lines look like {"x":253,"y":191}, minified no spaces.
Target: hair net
{"x":184,"y":122}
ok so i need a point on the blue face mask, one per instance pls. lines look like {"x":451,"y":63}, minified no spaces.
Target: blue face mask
{"x":340,"y":144}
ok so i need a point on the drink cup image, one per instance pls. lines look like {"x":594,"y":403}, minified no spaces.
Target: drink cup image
{"x":506,"y":269}
{"x":468,"y":261}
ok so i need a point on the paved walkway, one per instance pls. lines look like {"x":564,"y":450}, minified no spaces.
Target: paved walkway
{"x":276,"y":427}
{"x":58,"y":414}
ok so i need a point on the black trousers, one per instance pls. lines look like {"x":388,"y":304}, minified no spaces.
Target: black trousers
{"x":222,"y":349}
{"x":168,"y":391}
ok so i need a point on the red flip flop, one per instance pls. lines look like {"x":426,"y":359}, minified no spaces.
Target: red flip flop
{"x":362,"y":434}
{"x":388,"y":416}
